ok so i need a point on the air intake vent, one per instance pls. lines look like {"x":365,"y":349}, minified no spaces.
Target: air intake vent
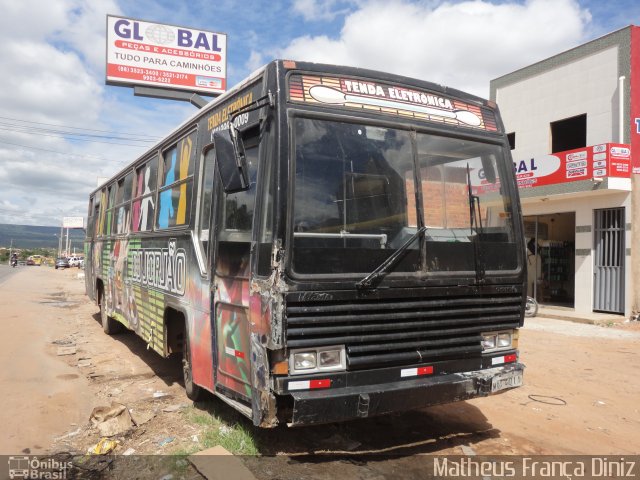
{"x":401,"y":331}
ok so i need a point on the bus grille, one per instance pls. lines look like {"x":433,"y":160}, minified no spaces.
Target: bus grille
{"x":389,"y":332}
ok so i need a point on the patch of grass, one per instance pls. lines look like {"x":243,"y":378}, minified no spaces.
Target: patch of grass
{"x":231,"y":433}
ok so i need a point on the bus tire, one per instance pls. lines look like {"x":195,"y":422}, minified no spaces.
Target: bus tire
{"x":193,"y":391}
{"x":110,"y":325}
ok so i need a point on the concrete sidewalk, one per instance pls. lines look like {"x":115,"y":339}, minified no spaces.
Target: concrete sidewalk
{"x":566,"y":313}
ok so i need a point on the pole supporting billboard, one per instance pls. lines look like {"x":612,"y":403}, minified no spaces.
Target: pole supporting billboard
{"x":192,"y":98}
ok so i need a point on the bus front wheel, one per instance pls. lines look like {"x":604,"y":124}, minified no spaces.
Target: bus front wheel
{"x":194,"y":392}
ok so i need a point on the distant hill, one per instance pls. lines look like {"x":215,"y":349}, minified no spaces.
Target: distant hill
{"x":32,"y":236}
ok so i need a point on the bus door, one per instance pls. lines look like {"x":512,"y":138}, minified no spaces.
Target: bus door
{"x":231,"y":285}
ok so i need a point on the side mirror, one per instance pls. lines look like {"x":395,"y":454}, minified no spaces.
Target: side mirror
{"x":231,"y":161}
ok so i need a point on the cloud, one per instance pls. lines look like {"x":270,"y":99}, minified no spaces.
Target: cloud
{"x":85,"y":30}
{"x":320,"y":10}
{"x":462,"y":45}
{"x":46,"y":83}
{"x":53,"y":72}
{"x":255,"y":61}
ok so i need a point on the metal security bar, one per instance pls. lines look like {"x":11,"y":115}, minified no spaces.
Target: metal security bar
{"x":608,"y":268}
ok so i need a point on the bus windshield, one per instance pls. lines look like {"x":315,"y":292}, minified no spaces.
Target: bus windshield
{"x":356,"y":202}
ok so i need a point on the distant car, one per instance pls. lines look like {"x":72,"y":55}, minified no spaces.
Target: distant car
{"x":30,"y":261}
{"x":62,"y":263}
{"x":75,"y":261}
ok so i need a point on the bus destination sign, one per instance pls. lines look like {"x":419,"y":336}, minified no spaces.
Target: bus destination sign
{"x":389,"y":99}
{"x":165,"y":56}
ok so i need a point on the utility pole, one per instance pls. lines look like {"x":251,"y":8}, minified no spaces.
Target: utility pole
{"x":10,"y":250}
{"x":60,"y":241}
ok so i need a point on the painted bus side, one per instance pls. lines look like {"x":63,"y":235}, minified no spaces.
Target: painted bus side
{"x":147,"y":251}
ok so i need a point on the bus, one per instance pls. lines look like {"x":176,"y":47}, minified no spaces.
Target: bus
{"x":321,"y":243}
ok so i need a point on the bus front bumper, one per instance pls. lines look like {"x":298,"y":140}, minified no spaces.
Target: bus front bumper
{"x":347,"y":403}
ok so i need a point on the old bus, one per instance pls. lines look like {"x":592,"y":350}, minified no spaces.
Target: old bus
{"x":321,"y":243}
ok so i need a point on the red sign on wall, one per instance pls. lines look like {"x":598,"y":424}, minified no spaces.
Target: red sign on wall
{"x":634,"y":81}
{"x":597,"y":161}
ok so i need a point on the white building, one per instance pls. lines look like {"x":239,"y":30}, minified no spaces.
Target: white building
{"x":573,"y":122}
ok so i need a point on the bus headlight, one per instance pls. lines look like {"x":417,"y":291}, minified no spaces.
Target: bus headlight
{"x":494,"y":341}
{"x":304,"y":361}
{"x":488,"y":341}
{"x":322,"y":359}
{"x":329,"y":358}
{"x":504,"y":340}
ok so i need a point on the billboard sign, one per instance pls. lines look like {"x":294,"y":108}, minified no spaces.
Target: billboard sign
{"x":72,"y":222}
{"x":597,"y":161}
{"x":165,"y":56}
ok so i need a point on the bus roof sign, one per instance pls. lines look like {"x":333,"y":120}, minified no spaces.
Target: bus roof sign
{"x":166,"y":56}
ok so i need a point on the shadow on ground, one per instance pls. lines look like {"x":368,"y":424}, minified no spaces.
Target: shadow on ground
{"x":169,"y":370}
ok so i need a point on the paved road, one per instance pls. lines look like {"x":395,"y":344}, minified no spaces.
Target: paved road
{"x":6,"y":271}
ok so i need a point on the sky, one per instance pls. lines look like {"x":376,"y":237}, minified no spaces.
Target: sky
{"x":61,"y":127}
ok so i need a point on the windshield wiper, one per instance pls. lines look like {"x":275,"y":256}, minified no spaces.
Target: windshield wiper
{"x":473,"y":226}
{"x":371,"y":280}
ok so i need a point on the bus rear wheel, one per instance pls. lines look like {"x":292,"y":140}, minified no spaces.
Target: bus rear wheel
{"x":110,"y":325}
{"x":194,"y":392}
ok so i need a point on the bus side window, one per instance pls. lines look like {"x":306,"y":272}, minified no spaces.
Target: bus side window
{"x":122,"y":208}
{"x":208,"y":176}
{"x":144,"y":187}
{"x":265,"y":232}
{"x":237,"y":220}
{"x":91,"y":218}
{"x":101,"y":205}
{"x":175,"y":193}
{"x":111,"y":198}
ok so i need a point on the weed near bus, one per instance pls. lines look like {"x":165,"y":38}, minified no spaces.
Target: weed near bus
{"x":237,"y":438}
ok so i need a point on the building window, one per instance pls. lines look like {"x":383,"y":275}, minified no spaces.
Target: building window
{"x":569,"y":133}
{"x":511,"y":137}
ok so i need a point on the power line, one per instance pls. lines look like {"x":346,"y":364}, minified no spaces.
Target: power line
{"x":93,"y":157}
{"x":75,"y":139}
{"x":151,"y":137}
{"x":29,"y":129}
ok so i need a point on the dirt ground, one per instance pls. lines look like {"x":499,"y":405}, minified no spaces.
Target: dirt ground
{"x":580,"y":396}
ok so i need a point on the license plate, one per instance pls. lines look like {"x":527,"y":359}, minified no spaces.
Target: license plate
{"x":506,"y":380}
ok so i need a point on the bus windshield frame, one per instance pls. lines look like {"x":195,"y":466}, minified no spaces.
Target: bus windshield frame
{"x":374,"y":165}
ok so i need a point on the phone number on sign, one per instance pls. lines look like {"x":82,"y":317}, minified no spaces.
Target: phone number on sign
{"x":153,"y":75}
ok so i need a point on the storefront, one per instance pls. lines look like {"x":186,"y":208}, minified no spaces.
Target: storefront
{"x":576,"y":223}
{"x":573,"y":122}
